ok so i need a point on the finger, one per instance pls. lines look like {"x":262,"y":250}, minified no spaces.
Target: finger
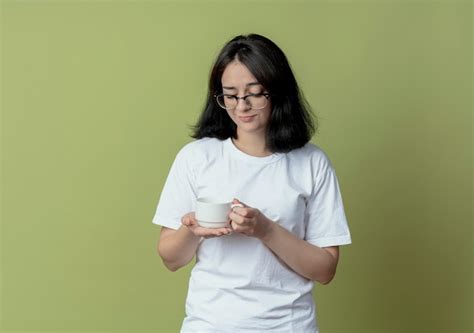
{"x":236,"y":204}
{"x":203,"y":232}
{"x":188,"y":222}
{"x":221,"y":231}
{"x":236,"y":218}
{"x":245,"y":212}
{"x":238,"y":228}
{"x":187,"y":218}
{"x":208,"y":232}
{"x":237,"y":201}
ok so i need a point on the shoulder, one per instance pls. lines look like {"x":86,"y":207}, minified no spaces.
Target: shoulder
{"x":200,"y":146}
{"x":313,"y":161}
{"x":197,"y":151}
{"x":311,"y":154}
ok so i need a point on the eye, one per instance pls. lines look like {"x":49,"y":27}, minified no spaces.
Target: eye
{"x":257,"y":93}
{"x":229,"y":97}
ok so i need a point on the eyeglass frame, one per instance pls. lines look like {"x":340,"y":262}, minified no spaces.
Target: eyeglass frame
{"x":244,"y":98}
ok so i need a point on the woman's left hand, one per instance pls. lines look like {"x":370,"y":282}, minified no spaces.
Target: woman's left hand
{"x":249,"y":221}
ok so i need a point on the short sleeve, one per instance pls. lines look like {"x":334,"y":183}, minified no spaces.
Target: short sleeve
{"x":178,"y":195}
{"x":325,"y":220}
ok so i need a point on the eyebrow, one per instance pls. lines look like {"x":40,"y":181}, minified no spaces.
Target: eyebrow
{"x":248,"y":85}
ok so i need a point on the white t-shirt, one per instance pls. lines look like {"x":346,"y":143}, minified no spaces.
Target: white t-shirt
{"x":237,"y":283}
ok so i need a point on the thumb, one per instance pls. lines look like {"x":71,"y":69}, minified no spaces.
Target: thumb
{"x":237,"y":201}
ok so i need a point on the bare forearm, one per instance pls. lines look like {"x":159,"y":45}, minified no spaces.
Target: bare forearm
{"x":178,"y":249}
{"x":310,"y":261}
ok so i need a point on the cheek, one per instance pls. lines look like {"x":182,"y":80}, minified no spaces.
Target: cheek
{"x":231,"y":114}
{"x":266,"y":114}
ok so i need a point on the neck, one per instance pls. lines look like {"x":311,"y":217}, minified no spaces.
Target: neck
{"x":252,"y":144}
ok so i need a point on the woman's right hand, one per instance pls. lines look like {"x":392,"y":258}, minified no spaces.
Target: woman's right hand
{"x":189,"y":220}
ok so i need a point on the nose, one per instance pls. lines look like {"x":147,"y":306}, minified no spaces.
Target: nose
{"x":242,"y":105}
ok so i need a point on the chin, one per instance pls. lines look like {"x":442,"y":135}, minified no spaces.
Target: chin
{"x":250,"y":129}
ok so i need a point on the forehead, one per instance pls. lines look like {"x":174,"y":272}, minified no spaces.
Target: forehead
{"x":236,"y":74}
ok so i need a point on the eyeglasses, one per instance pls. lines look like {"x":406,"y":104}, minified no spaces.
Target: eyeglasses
{"x":230,"y":102}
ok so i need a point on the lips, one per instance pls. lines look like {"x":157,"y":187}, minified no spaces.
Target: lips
{"x":246,"y":118}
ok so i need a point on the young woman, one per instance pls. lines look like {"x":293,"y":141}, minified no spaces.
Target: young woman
{"x":252,"y":144}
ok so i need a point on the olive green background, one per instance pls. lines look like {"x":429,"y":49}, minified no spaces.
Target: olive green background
{"x":97,"y":98}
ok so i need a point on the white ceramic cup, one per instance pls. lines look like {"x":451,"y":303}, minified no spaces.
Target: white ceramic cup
{"x":213,"y":212}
